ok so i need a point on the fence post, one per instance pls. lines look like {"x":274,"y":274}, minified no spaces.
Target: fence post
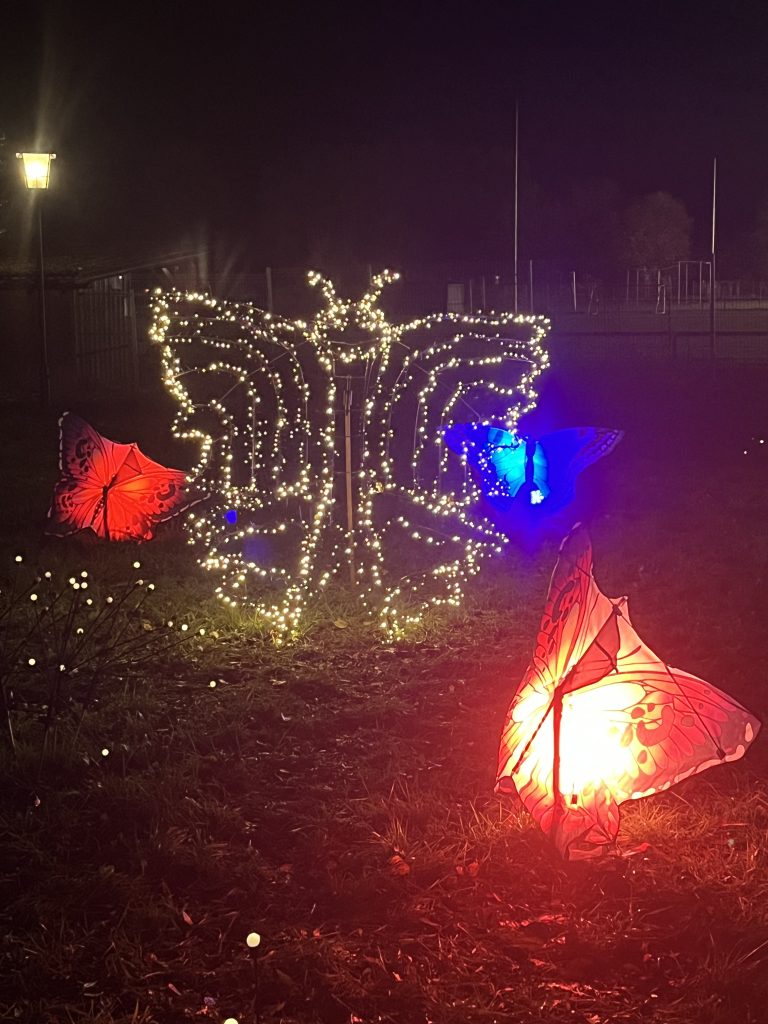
{"x":530,"y":283}
{"x":135,"y":375}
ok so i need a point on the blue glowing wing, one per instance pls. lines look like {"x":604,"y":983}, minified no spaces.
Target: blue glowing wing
{"x":533,"y":472}
{"x":498,"y":456}
{"x":568,"y":452}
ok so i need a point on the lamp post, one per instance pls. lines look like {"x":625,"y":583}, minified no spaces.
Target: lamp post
{"x":37,"y":176}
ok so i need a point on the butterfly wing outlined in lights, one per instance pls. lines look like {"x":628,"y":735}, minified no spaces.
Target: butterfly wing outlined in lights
{"x":539,"y":472}
{"x":110,"y":488}
{"x":599,"y":719}
{"x":323,"y":453}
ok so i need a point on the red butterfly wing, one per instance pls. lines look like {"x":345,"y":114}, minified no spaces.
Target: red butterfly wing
{"x":669,"y":724}
{"x":111,"y":488}
{"x":141,"y":499}
{"x":88,"y":463}
{"x":630,"y":726}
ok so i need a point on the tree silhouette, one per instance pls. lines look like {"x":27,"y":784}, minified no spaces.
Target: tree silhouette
{"x":657,"y":231}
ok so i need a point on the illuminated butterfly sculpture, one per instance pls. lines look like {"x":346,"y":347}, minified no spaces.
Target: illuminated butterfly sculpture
{"x":322,"y":444}
{"x":517,"y":470}
{"x":112,"y":489}
{"x":599,"y":719}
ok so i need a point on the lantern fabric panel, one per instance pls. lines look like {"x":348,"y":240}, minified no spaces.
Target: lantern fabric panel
{"x":599,"y":719}
{"x":110,"y":488}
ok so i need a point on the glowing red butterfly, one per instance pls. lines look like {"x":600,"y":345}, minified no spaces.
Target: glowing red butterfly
{"x":599,"y":719}
{"x":112,"y":489}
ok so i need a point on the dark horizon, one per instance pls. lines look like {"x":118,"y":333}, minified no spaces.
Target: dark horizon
{"x":383,"y":135}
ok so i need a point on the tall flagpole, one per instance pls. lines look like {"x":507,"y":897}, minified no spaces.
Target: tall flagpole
{"x":712,"y":276}
{"x":517,"y":149}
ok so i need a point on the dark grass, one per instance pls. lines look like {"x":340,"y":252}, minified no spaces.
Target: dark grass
{"x":336,"y":796}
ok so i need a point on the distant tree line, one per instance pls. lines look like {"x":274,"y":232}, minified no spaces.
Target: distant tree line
{"x":420,"y":200}
{"x":654,"y":231}
{"x":395,"y":203}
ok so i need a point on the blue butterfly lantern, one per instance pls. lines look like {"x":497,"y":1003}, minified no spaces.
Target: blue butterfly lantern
{"x":515,"y":471}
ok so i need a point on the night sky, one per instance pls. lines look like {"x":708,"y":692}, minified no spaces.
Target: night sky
{"x":301,"y":133}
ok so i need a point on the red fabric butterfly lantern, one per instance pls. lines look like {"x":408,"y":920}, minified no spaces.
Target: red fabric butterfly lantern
{"x":112,"y":489}
{"x":599,"y":719}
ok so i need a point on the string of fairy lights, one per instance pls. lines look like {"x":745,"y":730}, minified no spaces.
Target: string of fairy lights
{"x":321,"y":445}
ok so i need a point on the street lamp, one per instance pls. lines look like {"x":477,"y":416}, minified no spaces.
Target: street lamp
{"x":37,"y":176}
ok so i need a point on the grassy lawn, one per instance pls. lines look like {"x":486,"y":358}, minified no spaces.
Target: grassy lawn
{"x":336,"y":797}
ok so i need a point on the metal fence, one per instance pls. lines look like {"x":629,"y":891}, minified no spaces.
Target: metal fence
{"x":467,"y":287}
{"x":106,"y":334}
{"x":660,"y":314}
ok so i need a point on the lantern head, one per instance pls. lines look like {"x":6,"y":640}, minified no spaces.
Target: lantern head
{"x":37,"y":169}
